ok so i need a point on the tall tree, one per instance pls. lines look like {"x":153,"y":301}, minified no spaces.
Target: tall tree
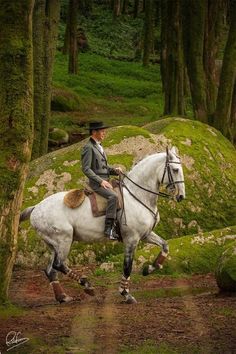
{"x":194,"y":18}
{"x":73,"y":43}
{"x":224,"y":118}
{"x":172,"y":66}
{"x":45,"y":29}
{"x":125,"y":6}
{"x":213,"y":29}
{"x":16,"y":124}
{"x":116,"y":8}
{"x":148,"y":31}
{"x":136,"y":8}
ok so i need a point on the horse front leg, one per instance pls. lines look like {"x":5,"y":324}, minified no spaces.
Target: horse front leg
{"x":127,"y":268}
{"x":160,"y":259}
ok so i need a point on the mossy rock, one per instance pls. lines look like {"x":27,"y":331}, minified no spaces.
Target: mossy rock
{"x":194,"y":254}
{"x":226,"y":270}
{"x":64,"y":100}
{"x":58,"y":137}
{"x":209,"y":162}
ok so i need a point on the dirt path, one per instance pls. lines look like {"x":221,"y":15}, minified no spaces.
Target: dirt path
{"x":172,"y":316}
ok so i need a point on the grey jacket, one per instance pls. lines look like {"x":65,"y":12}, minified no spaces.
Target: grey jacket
{"x":94,"y":164}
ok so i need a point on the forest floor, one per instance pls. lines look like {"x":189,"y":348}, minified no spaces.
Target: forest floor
{"x":173,"y":315}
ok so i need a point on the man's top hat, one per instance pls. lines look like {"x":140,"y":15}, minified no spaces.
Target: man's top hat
{"x":97,"y":126}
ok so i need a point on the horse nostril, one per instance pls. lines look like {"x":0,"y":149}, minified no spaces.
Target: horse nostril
{"x":180,"y":198}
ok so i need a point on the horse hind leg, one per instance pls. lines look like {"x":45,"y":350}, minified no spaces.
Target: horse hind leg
{"x":58,"y":264}
{"x":161,"y":257}
{"x":58,"y":290}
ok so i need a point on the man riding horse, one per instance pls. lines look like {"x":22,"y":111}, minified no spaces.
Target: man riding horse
{"x":96,"y":168}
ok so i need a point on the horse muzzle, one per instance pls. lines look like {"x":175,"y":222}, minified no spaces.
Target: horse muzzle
{"x":179,"y":198}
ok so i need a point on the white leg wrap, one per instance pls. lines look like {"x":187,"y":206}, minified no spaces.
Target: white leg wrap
{"x":124,"y":285}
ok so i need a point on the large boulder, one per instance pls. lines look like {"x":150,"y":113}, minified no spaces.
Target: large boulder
{"x":209,"y":162}
{"x":226,"y":269}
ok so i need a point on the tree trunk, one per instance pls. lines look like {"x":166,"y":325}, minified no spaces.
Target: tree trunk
{"x":125,"y":6}
{"x":136,"y":8}
{"x":73,"y":45}
{"x":223,"y":119}
{"x":233,"y":117}
{"x":194,"y":17}
{"x":45,"y":29}
{"x":16,"y":124}
{"x":148,"y":32}
{"x":213,"y":30}
{"x":116,"y":9}
{"x":65,"y":49}
{"x":172,"y":59}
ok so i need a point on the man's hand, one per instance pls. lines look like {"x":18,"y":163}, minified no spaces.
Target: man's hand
{"x":118,"y":170}
{"x":106,"y":185}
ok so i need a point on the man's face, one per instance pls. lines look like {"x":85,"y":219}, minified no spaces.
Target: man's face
{"x":99,"y":134}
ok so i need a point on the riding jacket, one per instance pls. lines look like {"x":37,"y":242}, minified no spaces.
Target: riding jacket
{"x":94,"y":164}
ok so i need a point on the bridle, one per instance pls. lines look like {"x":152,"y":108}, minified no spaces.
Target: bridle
{"x":167,"y":170}
{"x":171,"y":185}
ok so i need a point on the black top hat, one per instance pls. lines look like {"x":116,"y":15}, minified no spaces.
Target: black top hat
{"x":97,"y":126}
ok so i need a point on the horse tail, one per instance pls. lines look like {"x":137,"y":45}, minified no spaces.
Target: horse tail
{"x":26,"y":213}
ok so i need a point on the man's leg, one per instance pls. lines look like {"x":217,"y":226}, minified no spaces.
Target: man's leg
{"x":111,"y":211}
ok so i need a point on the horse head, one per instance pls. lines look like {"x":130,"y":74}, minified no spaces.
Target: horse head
{"x":173,"y":176}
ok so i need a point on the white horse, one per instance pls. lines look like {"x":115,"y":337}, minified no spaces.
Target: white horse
{"x":59,"y":225}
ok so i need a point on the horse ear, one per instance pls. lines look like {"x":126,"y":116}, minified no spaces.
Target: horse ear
{"x":173,"y":150}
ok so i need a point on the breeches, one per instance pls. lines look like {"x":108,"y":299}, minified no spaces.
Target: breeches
{"x":112,"y":201}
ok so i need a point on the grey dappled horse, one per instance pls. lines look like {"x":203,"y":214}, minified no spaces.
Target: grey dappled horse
{"x":59,"y":225}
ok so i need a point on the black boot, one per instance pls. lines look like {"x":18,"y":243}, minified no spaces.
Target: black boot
{"x":109,"y":230}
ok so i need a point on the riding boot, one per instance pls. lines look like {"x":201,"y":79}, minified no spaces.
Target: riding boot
{"x":109,"y":230}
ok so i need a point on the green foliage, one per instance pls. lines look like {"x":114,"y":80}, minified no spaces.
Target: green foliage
{"x":64,"y":100}
{"x":109,"y":37}
{"x":114,"y":91}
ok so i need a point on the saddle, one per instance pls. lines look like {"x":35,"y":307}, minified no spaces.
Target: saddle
{"x":75,"y":197}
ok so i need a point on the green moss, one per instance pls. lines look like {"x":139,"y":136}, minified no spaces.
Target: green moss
{"x":8,"y":311}
{"x":64,"y":100}
{"x":116,"y":135}
{"x":58,"y":134}
{"x":226,"y":269}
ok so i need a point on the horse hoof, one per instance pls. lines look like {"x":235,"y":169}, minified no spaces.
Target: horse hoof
{"x":145,"y":271}
{"x":90,"y":291}
{"x":130,"y":300}
{"x":66,"y":299}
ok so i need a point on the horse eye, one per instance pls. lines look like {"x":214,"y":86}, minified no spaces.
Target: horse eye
{"x":175,"y":170}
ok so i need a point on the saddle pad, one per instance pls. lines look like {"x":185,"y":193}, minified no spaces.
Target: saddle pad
{"x":74,"y":198}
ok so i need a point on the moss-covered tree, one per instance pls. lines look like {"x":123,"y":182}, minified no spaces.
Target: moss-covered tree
{"x":148,"y":32}
{"x":73,"y":43}
{"x":16,"y":124}
{"x":116,"y":8}
{"x":213,"y":33}
{"x":194,"y":18}
{"x":224,"y":118}
{"x":172,"y":65}
{"x":45,"y":29}
{"x":136,"y":8}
